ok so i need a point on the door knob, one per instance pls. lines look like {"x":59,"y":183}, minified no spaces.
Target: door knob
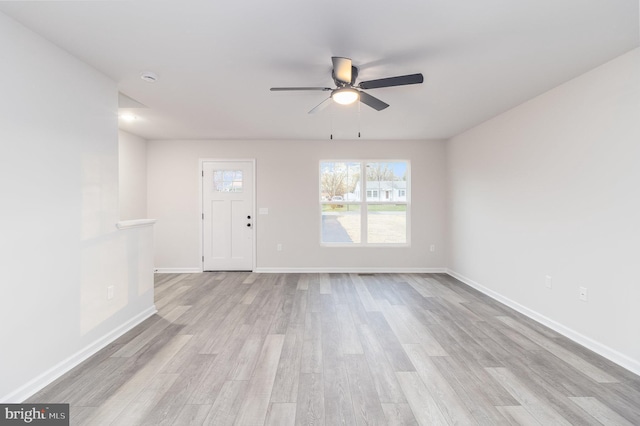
{"x":248,"y":217}
{"x":248,"y":225}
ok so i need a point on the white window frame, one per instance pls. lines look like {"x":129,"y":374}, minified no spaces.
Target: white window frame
{"x":363,"y":203}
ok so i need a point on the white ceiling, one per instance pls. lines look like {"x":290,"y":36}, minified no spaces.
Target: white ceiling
{"x":217,"y":59}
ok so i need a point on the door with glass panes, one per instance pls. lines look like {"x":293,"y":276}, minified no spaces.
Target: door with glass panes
{"x":227,"y":215}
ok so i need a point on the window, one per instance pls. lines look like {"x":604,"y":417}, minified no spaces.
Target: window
{"x":227,"y":180}
{"x":380,"y":217}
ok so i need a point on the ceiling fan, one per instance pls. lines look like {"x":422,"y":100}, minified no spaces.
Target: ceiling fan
{"x":344,"y":75}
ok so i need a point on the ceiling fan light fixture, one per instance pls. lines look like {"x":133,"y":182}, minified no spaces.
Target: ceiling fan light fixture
{"x":345,"y":96}
{"x":344,"y":75}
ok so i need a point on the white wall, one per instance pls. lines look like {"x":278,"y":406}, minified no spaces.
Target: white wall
{"x":132,"y":155}
{"x":287,"y":184}
{"x":552,"y":188}
{"x":59,"y":247}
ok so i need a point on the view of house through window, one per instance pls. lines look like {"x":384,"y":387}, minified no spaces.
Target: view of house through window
{"x":227,"y":180}
{"x":364,"y":202}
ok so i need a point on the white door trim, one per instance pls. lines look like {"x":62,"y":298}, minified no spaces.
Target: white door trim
{"x":201,"y":162}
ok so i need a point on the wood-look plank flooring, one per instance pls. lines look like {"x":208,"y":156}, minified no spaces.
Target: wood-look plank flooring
{"x":341,"y":349}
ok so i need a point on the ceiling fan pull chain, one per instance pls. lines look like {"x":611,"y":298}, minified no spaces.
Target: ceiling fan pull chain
{"x":331,"y":123}
{"x":359,"y":119}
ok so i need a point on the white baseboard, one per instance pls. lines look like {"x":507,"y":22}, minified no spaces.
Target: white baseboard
{"x":38,"y":383}
{"x":348,"y":270}
{"x":177,"y":270}
{"x":597,"y":347}
{"x":317,"y":270}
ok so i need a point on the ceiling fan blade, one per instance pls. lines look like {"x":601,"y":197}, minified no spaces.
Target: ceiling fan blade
{"x":392,"y":81}
{"x":342,"y":69}
{"x":372,"y":101}
{"x":283,"y":89}
{"x":322,"y":105}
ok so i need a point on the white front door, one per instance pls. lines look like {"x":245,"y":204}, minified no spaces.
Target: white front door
{"x":227,"y":204}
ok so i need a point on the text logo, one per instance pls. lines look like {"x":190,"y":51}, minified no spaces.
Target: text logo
{"x":34,"y":414}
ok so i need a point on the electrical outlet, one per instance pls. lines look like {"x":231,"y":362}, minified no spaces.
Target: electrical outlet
{"x":110,"y":292}
{"x":583,"y":294}
{"x":548,"y":282}
{"x":433,"y":247}
{"x":279,"y":247}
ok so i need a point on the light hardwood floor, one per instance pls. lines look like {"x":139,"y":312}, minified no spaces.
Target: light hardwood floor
{"x":341,"y":349}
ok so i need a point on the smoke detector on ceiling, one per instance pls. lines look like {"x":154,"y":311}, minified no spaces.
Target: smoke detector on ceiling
{"x":149,"y":77}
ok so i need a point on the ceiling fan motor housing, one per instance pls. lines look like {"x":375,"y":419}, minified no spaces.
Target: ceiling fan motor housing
{"x":354,"y":76}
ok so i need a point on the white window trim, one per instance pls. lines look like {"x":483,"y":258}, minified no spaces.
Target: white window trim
{"x":363,"y":203}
